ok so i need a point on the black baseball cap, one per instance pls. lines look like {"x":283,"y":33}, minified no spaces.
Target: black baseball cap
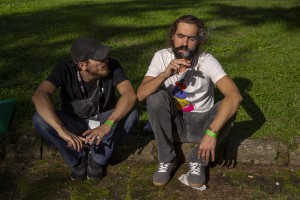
{"x":88,"y":48}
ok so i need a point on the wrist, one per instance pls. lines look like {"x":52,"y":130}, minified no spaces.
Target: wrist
{"x":110,"y":123}
{"x":211,"y":132}
{"x":164,"y":75}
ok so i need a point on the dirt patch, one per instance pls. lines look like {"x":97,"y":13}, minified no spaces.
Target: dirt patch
{"x":133,"y":180}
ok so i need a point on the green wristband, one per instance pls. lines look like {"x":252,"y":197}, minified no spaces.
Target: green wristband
{"x":212,"y":134}
{"x":110,"y":123}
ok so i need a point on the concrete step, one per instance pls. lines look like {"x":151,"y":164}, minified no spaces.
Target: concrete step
{"x":235,"y":150}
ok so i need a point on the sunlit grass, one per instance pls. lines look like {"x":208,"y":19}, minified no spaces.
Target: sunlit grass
{"x":256,"y":44}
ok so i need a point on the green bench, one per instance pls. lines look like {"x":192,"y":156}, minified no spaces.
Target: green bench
{"x":6,"y":110}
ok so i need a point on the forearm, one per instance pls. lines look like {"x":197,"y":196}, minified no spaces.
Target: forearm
{"x":150,"y":86}
{"x":45,"y":109}
{"x":123,"y":106}
{"x":227,"y":109}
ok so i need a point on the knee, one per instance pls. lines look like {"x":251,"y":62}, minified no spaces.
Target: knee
{"x":134,"y":116}
{"x":158,"y":99}
{"x":36,"y":119}
{"x":39,"y":123}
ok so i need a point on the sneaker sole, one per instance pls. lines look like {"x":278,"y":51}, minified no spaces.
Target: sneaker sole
{"x":160,"y":184}
{"x":95,"y":179}
{"x":74,"y":179}
{"x":195,"y":185}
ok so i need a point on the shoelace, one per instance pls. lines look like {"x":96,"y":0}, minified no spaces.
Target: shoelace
{"x":195,"y":168}
{"x":163,"y":167}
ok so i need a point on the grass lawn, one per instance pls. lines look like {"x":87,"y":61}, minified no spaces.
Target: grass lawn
{"x":49,"y":180}
{"x":257,"y":42}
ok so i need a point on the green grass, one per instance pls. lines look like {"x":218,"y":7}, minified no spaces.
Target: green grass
{"x":133,"y":180}
{"x":257,"y":44}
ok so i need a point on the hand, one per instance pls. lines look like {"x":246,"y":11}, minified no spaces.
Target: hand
{"x":96,"y":133}
{"x":174,"y":66}
{"x":75,"y":142}
{"x":207,"y":148}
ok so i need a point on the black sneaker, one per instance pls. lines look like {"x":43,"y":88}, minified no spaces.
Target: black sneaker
{"x":163,"y":173}
{"x":78,"y":172}
{"x":95,"y":171}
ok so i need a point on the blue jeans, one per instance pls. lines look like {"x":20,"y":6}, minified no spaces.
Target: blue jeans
{"x":102,"y":152}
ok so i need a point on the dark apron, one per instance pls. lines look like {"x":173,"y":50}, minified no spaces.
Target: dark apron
{"x":84,"y":108}
{"x":87,"y":107}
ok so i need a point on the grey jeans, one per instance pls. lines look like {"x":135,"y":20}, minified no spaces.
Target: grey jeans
{"x":170,"y":125}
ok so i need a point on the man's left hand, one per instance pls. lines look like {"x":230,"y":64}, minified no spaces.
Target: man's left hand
{"x":96,"y":133}
{"x":207,"y":148}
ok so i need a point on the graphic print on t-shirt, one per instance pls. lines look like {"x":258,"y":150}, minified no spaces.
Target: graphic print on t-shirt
{"x":180,"y":97}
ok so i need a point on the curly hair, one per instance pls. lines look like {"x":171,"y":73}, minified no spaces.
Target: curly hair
{"x":189,"y":19}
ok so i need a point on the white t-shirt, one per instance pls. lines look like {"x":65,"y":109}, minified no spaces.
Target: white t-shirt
{"x":195,"y":87}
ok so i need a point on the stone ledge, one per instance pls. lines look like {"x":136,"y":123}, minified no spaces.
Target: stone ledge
{"x":295,"y":154}
{"x":259,"y":151}
{"x":251,"y":151}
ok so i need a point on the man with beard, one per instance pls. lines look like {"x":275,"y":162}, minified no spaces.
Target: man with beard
{"x":185,"y":110}
{"x":90,"y":116}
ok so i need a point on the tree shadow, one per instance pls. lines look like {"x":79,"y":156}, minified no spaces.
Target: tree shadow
{"x":32,"y":42}
{"x":131,"y":145}
{"x":228,"y":149}
{"x":248,"y":16}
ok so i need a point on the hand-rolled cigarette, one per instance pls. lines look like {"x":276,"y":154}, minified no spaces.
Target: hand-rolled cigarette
{"x":187,"y":55}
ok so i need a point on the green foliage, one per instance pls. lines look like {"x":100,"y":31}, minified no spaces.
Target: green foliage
{"x":256,"y":44}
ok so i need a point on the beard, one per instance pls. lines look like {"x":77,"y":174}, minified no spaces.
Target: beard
{"x":187,"y":55}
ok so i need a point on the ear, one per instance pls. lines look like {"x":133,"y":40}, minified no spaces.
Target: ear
{"x":82,"y":66}
{"x":173,"y":35}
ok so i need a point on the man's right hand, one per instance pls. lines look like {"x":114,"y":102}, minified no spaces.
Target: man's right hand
{"x":151,"y":84}
{"x":44,"y":107}
{"x":74,"y":142}
{"x":175,"y":65}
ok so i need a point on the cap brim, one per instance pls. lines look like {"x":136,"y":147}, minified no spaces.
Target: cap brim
{"x":100,"y":53}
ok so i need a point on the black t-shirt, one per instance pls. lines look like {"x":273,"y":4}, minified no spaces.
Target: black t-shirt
{"x":64,"y":76}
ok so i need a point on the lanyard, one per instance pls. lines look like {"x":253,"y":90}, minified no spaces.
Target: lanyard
{"x":81,"y":86}
{"x":84,"y":93}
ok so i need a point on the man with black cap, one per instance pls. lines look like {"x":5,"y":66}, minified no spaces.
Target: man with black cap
{"x":90,"y":114}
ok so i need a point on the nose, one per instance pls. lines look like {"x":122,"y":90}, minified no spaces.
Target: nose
{"x":185,"y":41}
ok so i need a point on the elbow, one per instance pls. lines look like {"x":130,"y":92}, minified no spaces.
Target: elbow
{"x":34,"y":97}
{"x":39,"y":96}
{"x":133,"y":97}
{"x":238,"y":99}
{"x":140,"y":96}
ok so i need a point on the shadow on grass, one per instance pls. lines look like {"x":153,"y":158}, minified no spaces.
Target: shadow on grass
{"x":32,"y":42}
{"x":245,"y":129}
{"x":248,"y":16}
{"x":227,"y":151}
